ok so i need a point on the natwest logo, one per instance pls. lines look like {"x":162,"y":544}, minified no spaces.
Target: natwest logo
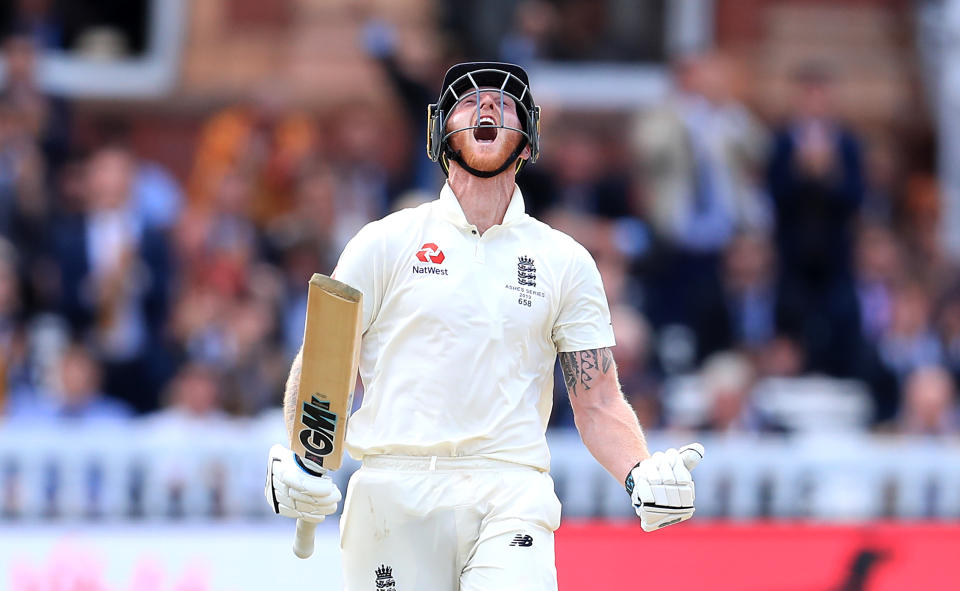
{"x":430,"y":253}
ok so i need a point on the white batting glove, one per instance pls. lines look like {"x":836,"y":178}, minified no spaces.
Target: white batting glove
{"x":292,"y":492}
{"x":661,"y":486}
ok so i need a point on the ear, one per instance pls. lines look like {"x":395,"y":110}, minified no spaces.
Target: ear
{"x":525,"y":153}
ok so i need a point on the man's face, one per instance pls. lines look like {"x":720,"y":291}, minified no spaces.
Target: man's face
{"x":20,"y":56}
{"x":485,"y":148}
{"x":109,"y":178}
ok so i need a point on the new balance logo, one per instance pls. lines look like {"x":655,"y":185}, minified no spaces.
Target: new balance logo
{"x":524,"y":541}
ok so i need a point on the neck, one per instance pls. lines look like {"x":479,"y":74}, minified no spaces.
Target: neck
{"x":484,"y":201}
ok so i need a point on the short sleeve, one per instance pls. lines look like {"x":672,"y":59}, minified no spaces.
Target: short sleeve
{"x":583,"y":321}
{"x":361,"y":266}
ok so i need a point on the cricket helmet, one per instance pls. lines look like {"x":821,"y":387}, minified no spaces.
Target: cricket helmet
{"x":463,"y":80}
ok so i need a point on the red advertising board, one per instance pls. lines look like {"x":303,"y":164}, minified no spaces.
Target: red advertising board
{"x":599,"y":556}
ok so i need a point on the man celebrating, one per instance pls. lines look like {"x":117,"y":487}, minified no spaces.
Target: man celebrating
{"x":467,"y":301}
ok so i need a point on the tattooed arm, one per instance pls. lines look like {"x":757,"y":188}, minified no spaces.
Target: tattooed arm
{"x":606,"y":421}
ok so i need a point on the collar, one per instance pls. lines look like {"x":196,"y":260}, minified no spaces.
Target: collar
{"x":449,"y":207}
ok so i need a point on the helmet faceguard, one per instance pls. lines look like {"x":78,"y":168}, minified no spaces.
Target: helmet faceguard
{"x":470,"y":79}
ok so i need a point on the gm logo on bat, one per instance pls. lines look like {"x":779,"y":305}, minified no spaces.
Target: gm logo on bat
{"x":321,"y":425}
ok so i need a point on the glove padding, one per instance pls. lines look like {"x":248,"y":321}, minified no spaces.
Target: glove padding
{"x":661,"y":486}
{"x":292,"y":492}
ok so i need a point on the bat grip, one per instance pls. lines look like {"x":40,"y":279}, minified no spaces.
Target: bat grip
{"x":304,"y":538}
{"x":303,"y":541}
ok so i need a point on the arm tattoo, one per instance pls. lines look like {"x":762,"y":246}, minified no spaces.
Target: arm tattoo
{"x":580,"y":368}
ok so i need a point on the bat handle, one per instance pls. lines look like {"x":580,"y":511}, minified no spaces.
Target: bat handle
{"x":303,"y":542}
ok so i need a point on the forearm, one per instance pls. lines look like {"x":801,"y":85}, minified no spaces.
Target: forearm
{"x":611,"y":432}
{"x":291,"y":390}
{"x":606,"y":421}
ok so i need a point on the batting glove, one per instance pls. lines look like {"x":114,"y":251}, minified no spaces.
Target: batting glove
{"x":292,"y":492}
{"x":661,"y":486}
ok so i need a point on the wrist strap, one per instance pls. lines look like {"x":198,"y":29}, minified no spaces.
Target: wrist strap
{"x":303,"y":467}
{"x":628,"y":483}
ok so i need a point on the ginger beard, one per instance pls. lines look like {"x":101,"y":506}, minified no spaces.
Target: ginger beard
{"x":483,"y":148}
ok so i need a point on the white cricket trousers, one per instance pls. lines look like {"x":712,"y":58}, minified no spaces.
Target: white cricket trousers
{"x":448,"y":524}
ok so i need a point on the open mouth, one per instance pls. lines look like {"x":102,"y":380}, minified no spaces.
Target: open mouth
{"x":487,"y":130}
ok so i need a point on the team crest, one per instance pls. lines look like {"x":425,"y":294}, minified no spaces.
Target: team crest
{"x":526,"y":272}
{"x":385,"y":580}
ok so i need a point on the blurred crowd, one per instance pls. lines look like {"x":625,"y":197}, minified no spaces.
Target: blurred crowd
{"x":733,"y":249}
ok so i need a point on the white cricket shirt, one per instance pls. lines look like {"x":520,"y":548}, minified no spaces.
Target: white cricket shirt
{"x":461,"y":331}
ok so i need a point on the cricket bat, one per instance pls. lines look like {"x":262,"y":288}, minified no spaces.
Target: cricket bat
{"x":331,"y":352}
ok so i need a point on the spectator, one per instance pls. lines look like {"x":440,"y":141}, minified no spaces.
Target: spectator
{"x":157,"y":196}
{"x":816,"y":181}
{"x":40,"y":21}
{"x":639,"y":379}
{"x":698,"y":158}
{"x":883,"y":177}
{"x":256,"y":367}
{"x":783,"y":357}
{"x":77,"y":396}
{"x":192,"y":411}
{"x":300,"y":261}
{"x":363,"y":183}
{"x":197,"y":323}
{"x":580,"y":179}
{"x":412,"y":73}
{"x":948,"y":329}
{"x":229,"y":242}
{"x":313,"y":220}
{"x":14,"y":369}
{"x":739,"y":311}
{"x":879,"y":266}
{"x":193,"y":401}
{"x":24,"y":207}
{"x":264,"y":140}
{"x":114,"y":277}
{"x":529,"y":38}
{"x":727,"y":380}
{"x":815,"y":177}
{"x":907,"y":344}
{"x":929,"y":403}
{"x":237,"y":335}
{"x":46,"y":117}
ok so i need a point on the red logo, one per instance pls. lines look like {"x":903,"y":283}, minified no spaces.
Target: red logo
{"x":431,"y":253}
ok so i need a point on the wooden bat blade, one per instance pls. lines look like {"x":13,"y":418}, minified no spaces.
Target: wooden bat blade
{"x":331,"y":353}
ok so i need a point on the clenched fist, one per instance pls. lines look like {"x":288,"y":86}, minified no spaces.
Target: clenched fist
{"x":292,"y":492}
{"x":661,"y":486}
